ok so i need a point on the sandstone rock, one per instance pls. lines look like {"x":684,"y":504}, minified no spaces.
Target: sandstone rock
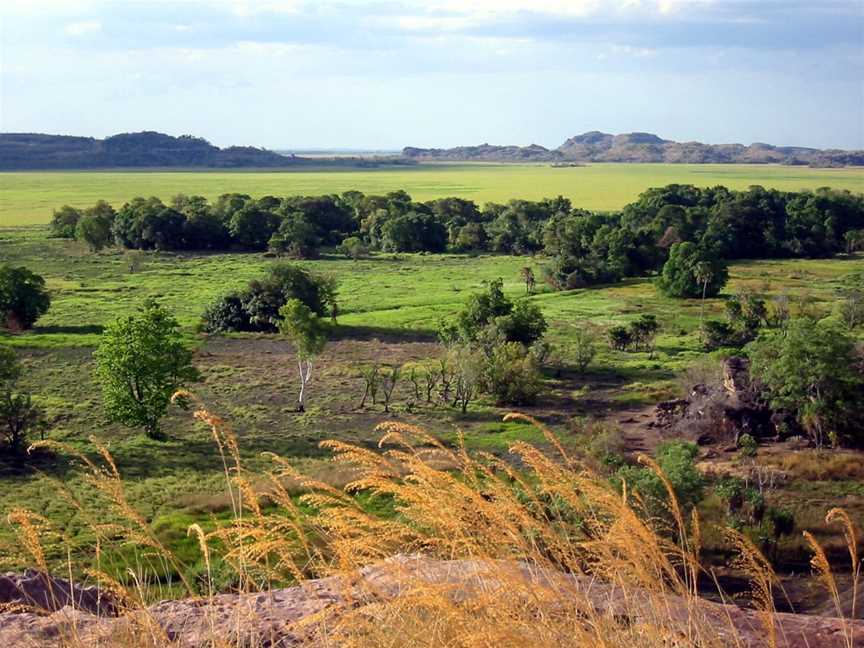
{"x":285,"y":617}
{"x":49,"y":593}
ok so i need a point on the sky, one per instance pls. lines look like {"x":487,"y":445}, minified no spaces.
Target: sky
{"x":383,"y":74}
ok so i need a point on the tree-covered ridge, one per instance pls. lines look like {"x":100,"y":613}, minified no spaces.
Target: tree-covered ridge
{"x":144,"y":149}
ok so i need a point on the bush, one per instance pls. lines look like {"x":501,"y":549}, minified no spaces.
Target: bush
{"x":639,"y":335}
{"x":257,"y":307}
{"x":226,"y":314}
{"x":524,"y":324}
{"x":23,"y":297}
{"x":677,"y":461}
{"x":354,"y":248}
{"x":620,"y":338}
{"x":511,"y":375}
{"x":717,"y":334}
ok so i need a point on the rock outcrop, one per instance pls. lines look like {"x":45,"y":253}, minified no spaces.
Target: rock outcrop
{"x":595,"y":146}
{"x":285,"y":617}
{"x":36,"y":591}
{"x":722,"y":412}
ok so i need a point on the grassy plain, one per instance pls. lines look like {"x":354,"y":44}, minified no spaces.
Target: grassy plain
{"x":390,"y":306}
{"x":28,"y":198}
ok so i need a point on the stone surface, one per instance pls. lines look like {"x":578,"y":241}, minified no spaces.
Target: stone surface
{"x":284,"y":617}
{"x":48,"y":593}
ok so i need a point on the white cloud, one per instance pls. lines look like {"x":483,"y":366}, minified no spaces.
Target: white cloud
{"x":83,"y":28}
{"x":432,"y":23}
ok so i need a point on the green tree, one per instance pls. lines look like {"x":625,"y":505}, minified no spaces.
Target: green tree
{"x":308,"y":335}
{"x":140,"y":363}
{"x":23,"y":297}
{"x":94,"y":230}
{"x":692,"y":272}
{"x":810,"y":368}
{"x":677,"y":461}
{"x":64,"y":221}
{"x":19,"y":415}
{"x":584,"y":346}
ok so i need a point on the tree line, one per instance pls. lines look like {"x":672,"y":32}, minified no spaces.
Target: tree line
{"x":585,"y":248}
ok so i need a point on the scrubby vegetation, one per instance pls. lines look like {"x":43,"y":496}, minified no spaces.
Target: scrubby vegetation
{"x":433,"y":314}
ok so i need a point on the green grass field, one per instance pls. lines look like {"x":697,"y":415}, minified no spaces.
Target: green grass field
{"x":390,"y":307}
{"x":28,"y":198}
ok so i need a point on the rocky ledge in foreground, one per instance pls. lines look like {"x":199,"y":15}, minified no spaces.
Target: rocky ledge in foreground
{"x":286,"y":617}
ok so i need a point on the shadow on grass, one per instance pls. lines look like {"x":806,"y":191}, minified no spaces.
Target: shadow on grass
{"x":40,"y":461}
{"x":382,"y":334}
{"x":69,"y":330}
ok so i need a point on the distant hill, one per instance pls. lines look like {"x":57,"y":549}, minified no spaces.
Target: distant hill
{"x":595,"y":146}
{"x":147,"y":149}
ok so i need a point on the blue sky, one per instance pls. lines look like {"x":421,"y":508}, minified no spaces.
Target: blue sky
{"x":391,"y":73}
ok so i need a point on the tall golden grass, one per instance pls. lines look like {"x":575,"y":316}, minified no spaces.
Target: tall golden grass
{"x":537,"y":537}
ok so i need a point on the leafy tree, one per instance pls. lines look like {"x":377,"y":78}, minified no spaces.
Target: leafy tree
{"x":644,"y":331}
{"x":296,"y":237}
{"x":414,"y":232}
{"x":469,"y":237}
{"x":19,"y":415}
{"x":94,"y":230}
{"x":23,"y":297}
{"x":252,"y":227}
{"x":692,"y":272}
{"x":10,"y":369}
{"x":717,"y":334}
{"x":851,"y":306}
{"x":308,"y":336}
{"x":747,"y":311}
{"x":140,"y":363}
{"x":810,"y":368}
{"x":64,"y":221}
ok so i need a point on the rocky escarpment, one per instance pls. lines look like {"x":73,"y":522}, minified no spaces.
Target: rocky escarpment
{"x":595,"y":146}
{"x":286,"y":617}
